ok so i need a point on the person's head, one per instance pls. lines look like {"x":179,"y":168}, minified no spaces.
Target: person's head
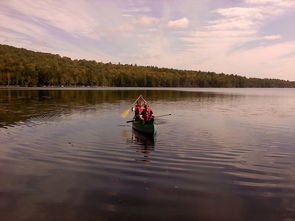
{"x":146,"y":106}
{"x":138,"y":102}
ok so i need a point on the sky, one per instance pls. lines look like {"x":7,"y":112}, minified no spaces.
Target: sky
{"x":253,"y":38}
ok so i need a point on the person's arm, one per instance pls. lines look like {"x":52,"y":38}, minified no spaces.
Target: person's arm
{"x":141,"y":115}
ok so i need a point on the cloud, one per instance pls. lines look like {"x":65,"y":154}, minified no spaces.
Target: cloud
{"x":246,"y":18}
{"x":262,"y":1}
{"x":235,"y":26}
{"x":272,"y":37}
{"x":268,"y":60}
{"x":124,"y":28}
{"x":155,"y":50}
{"x":233,"y":42}
{"x":229,"y":39}
{"x":231,"y":24}
{"x":241,"y":12}
{"x":180,"y":23}
{"x":139,"y":9}
{"x":280,"y":3}
{"x":20,"y":26}
{"x":40,"y":42}
{"x":69,"y":28}
{"x":147,"y":21}
{"x":67,"y":16}
{"x":141,"y":22}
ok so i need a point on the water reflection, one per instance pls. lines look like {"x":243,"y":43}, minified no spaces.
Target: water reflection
{"x":24,"y":105}
{"x":146,"y":145}
{"x":147,"y":141}
{"x":142,"y":144}
{"x":67,"y":155}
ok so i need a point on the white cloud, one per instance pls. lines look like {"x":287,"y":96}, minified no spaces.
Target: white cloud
{"x":29,"y":24}
{"x":40,"y":42}
{"x":180,"y":23}
{"x":66,"y":15}
{"x":155,"y":50}
{"x":220,"y":44}
{"x":240,"y":12}
{"x":141,"y":22}
{"x":17,"y":25}
{"x":228,"y":40}
{"x":267,"y":60}
{"x":234,"y":26}
{"x":280,"y":3}
{"x":147,"y":21}
{"x":155,"y":47}
{"x":272,"y":37}
{"x":246,"y":18}
{"x":124,"y":28}
{"x":139,"y":9}
{"x":231,"y":24}
{"x":262,"y":1}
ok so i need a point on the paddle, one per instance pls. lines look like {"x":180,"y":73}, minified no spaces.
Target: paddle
{"x":164,"y":115}
{"x":143,"y":99}
{"x":126,"y":112}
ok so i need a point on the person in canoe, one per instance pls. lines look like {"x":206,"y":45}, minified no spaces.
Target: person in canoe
{"x":138,"y":110}
{"x":147,"y":114}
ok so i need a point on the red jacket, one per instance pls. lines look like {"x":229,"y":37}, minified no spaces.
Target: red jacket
{"x":147,"y":114}
{"x":138,"y":109}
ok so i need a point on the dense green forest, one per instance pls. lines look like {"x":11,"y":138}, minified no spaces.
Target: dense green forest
{"x":28,"y":68}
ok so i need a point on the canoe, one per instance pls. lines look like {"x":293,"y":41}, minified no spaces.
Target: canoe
{"x":148,"y":128}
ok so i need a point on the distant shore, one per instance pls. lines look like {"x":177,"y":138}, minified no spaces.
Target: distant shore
{"x":84,"y":88}
{"x":2,"y":87}
{"x":24,"y":67}
{"x":44,"y":87}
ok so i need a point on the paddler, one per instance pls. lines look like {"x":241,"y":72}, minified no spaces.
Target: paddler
{"x":147,"y":114}
{"x":138,"y":110}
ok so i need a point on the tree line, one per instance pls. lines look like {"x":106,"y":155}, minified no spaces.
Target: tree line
{"x":21,"y":67}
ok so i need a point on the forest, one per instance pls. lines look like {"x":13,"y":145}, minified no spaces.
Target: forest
{"x":22,"y":67}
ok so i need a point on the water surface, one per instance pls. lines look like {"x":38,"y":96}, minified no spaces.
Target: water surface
{"x":223,"y":154}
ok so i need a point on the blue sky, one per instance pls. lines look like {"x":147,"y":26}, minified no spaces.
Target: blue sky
{"x":254,"y":38}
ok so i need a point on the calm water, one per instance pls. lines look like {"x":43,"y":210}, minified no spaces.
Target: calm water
{"x":224,"y":154}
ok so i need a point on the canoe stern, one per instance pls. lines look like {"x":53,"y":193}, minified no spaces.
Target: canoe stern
{"x":144,"y":128}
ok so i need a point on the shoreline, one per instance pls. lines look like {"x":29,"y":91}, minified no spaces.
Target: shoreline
{"x":200,"y":89}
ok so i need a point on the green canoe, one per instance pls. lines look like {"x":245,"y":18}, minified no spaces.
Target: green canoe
{"x":148,"y":128}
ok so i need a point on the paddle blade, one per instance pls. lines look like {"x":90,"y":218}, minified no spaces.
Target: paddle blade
{"x":125,"y":113}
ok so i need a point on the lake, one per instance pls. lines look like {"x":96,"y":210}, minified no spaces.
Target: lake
{"x":223,"y":154}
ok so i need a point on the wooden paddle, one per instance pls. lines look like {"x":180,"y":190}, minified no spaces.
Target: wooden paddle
{"x":164,"y":115}
{"x":126,"y":112}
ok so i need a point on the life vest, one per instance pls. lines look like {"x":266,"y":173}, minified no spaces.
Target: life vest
{"x":147,"y":114}
{"x":138,"y":109}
